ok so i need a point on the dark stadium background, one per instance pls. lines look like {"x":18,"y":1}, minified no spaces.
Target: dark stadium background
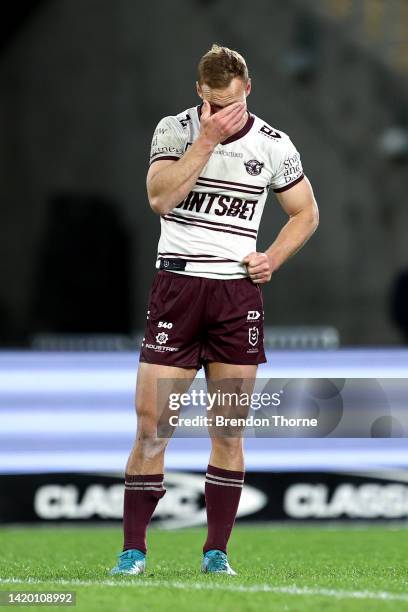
{"x":82,"y":86}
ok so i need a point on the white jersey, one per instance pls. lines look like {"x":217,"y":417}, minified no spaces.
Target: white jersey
{"x":216,"y":226}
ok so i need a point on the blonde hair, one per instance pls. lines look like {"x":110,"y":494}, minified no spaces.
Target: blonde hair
{"x":220,"y":65}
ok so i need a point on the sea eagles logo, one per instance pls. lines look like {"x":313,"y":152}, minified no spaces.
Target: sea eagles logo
{"x":253,"y":336}
{"x":253,"y":167}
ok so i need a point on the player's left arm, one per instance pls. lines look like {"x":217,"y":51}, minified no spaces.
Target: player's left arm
{"x":300,"y":205}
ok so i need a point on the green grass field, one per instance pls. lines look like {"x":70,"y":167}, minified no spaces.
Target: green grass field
{"x":288,"y":568}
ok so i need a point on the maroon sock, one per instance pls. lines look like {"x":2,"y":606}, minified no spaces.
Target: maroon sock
{"x":222,"y":493}
{"x":142,"y":493}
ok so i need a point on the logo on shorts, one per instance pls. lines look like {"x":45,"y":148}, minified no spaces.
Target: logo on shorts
{"x":253,"y":315}
{"x":162,"y":338}
{"x":254,"y":167}
{"x":253,"y":336}
{"x":165,"y":324}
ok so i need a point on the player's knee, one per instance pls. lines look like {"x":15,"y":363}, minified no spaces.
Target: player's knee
{"x":228,"y":446}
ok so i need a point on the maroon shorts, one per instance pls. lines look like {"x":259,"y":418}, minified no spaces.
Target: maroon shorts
{"x":192,"y":320}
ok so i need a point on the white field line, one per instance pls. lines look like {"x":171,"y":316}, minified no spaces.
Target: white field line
{"x":235,"y":588}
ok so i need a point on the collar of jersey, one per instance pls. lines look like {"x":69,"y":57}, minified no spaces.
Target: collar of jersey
{"x":244,"y":130}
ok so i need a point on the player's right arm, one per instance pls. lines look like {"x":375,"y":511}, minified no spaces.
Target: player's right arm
{"x":169,"y":181}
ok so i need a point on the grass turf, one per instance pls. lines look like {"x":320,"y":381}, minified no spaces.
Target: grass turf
{"x":341,"y":559}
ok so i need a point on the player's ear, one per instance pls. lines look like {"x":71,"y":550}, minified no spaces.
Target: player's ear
{"x":248,"y":88}
{"x":199,"y":91}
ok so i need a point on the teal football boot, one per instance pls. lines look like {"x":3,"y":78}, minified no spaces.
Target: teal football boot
{"x":216,"y":562}
{"x":130,"y":562}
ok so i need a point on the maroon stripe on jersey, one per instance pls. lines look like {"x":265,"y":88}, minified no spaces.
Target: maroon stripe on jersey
{"x":205,"y":260}
{"x":189,"y":255}
{"x":289,"y":185}
{"x":164,"y":157}
{"x":228,"y":188}
{"x":203,"y":178}
{"x":213,"y":229}
{"x":242,"y":229}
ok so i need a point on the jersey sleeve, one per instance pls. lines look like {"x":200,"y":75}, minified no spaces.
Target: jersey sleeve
{"x":169,"y":140}
{"x":287,"y":168}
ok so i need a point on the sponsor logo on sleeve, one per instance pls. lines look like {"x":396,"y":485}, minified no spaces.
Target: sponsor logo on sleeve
{"x":165,"y":150}
{"x":185,"y":120}
{"x":293,"y":168}
{"x":266,"y":130}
